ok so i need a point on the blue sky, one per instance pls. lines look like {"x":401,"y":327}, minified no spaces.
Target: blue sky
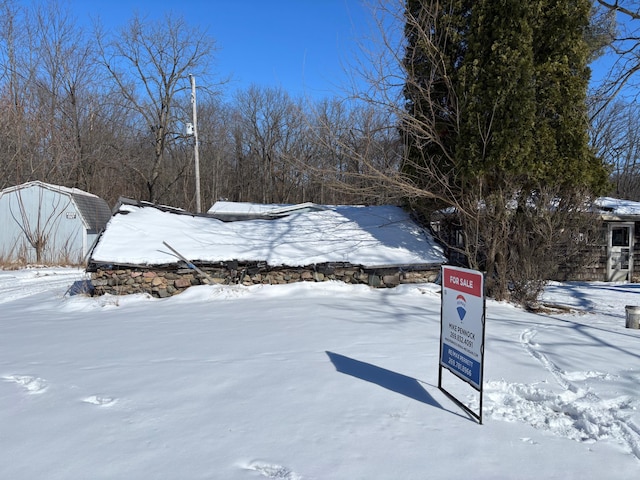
{"x":303,"y":46}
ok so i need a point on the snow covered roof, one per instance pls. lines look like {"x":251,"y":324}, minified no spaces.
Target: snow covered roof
{"x":360,"y":235}
{"x":610,"y":208}
{"x":618,"y":207}
{"x":232,"y":211}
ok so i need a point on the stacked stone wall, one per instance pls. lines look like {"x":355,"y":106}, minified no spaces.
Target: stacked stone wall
{"x":165,"y":282}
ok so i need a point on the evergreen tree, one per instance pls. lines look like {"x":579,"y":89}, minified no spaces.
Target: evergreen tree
{"x":561,"y":52}
{"x":496,"y":81}
{"x":496,"y":104}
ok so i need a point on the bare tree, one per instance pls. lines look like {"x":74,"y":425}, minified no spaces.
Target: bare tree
{"x":148,"y":63}
{"x":64,"y":86}
{"x":625,"y":46}
{"x":16,"y":71}
{"x":216,"y":151}
{"x":358,"y":149}
{"x":270,"y":135}
{"x":615,"y":134}
{"x":39,"y":225}
{"x":50,"y":96}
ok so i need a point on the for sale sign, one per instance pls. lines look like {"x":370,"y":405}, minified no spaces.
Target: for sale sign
{"x":462,"y":324}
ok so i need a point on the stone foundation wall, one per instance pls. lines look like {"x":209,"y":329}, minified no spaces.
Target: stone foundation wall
{"x":166,"y":282}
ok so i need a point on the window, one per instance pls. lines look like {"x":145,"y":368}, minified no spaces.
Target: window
{"x":620,"y":237}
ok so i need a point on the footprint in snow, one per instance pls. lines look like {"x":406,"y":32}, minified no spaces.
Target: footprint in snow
{"x":273,"y":471}
{"x":32,"y":385}
{"x":100,"y":401}
{"x":528,"y":440}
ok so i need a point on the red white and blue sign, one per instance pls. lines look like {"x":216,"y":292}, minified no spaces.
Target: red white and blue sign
{"x":461,"y":307}
{"x":462,"y":324}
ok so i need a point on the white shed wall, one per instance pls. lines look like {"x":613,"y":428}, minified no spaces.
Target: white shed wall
{"x":53,"y":214}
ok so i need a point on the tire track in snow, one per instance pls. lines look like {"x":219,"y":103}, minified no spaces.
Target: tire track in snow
{"x":593,"y":417}
{"x":21,"y":284}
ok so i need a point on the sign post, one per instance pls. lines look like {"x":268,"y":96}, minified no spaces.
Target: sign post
{"x":462,"y":324}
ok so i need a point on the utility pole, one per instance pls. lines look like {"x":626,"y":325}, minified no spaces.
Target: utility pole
{"x":195,"y":141}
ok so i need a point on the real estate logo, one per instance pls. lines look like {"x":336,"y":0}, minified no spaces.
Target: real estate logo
{"x":461,"y":303}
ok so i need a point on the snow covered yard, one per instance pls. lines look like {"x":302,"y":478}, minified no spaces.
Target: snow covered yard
{"x":308,"y":381}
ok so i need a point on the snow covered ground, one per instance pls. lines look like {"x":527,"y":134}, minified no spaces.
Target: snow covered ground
{"x":309,"y":381}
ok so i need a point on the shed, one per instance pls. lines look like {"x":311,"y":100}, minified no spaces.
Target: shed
{"x":43,"y":223}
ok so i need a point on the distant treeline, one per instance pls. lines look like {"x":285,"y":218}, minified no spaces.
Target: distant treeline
{"x":107,"y":112}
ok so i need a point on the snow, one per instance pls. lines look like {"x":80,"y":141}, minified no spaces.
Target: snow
{"x":309,"y":381}
{"x":618,"y":206}
{"x":370,"y":236}
{"x":222,"y":206}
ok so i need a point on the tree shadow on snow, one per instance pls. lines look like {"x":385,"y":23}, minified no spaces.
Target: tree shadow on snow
{"x":580,"y":291}
{"x":396,"y":382}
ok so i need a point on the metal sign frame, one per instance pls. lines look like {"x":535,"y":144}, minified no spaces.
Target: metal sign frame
{"x":462,"y":327}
